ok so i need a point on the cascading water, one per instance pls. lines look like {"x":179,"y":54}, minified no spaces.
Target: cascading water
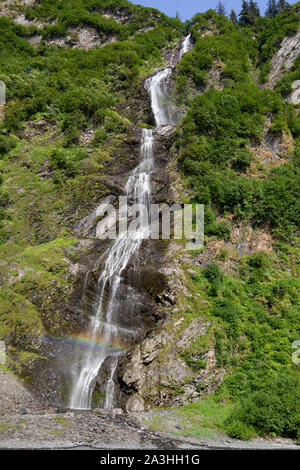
{"x":186,"y":45}
{"x":109,"y":398}
{"x":103,"y":324}
{"x":157,"y":87}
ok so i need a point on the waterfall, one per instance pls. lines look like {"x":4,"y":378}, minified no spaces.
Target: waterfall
{"x":103,"y":324}
{"x":186,"y":45}
{"x":109,"y":398}
{"x":157,"y":87}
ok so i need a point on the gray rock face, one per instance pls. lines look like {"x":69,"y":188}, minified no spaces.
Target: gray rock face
{"x":284,"y":57}
{"x":157,"y":374}
{"x":135,"y":404}
{"x":294,"y":97}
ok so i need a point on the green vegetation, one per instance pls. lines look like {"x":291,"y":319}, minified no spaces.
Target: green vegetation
{"x":273,"y":409}
{"x":203,"y":419}
{"x":69,"y":116}
{"x":64,"y":125}
{"x":230,"y":51}
{"x":76,"y":87}
{"x":270,"y":32}
{"x":255,"y":305}
{"x":255,"y":311}
{"x":78,"y":13}
{"x":284,"y":84}
{"x":222,"y":126}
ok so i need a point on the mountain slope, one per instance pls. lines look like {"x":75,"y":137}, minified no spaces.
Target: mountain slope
{"x":221,"y":321}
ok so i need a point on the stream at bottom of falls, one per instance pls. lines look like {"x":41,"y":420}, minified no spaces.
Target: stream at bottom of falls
{"x":103,"y":329}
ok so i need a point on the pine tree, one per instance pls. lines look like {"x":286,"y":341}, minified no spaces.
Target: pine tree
{"x":253,"y":11}
{"x":233,"y":17}
{"x":221,"y":11}
{"x":249,"y":12}
{"x":244,"y":13}
{"x":282,"y":5}
{"x":272,"y":9}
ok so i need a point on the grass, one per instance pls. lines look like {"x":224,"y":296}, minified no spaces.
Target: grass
{"x":199,"y":419}
{"x":203,"y":418}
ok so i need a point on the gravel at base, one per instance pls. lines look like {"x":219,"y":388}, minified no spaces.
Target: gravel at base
{"x":14,"y":396}
{"x":93,"y":431}
{"x":26,"y":424}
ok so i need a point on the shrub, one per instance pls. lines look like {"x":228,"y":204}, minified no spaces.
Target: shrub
{"x":7,"y":143}
{"x":258,"y":260}
{"x":219,"y":229}
{"x":212,"y":272}
{"x":242,"y":159}
{"x":195,"y":363}
{"x":68,"y":161}
{"x":100,"y":136}
{"x":239,"y":430}
{"x":273,"y":409}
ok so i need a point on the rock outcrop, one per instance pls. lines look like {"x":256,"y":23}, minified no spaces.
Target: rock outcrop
{"x":283,"y":58}
{"x":294,"y":97}
{"x":158,"y":372}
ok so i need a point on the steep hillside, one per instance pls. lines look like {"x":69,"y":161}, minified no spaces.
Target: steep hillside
{"x":218,"y":322}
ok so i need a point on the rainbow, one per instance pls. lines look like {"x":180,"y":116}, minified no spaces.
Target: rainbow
{"x":85,"y":341}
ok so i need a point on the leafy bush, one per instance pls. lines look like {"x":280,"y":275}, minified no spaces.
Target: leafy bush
{"x":258,"y":260}
{"x":239,"y":430}
{"x":7,"y":143}
{"x":195,"y":363}
{"x":68,"y":161}
{"x":220,"y":230}
{"x":212,"y":272}
{"x":218,"y":129}
{"x":100,"y":136}
{"x":242,"y":159}
{"x":274,"y":409}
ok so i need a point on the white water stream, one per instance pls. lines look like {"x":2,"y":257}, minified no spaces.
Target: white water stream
{"x":102,"y":324}
{"x":186,"y":45}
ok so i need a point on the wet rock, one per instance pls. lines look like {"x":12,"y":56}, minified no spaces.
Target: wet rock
{"x":86,"y":227}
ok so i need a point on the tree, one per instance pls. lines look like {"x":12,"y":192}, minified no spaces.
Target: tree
{"x":272,"y":9}
{"x":221,"y":11}
{"x":253,"y":11}
{"x":244,"y":13}
{"x":282,"y":5}
{"x":249,"y":12}
{"x":233,"y":17}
